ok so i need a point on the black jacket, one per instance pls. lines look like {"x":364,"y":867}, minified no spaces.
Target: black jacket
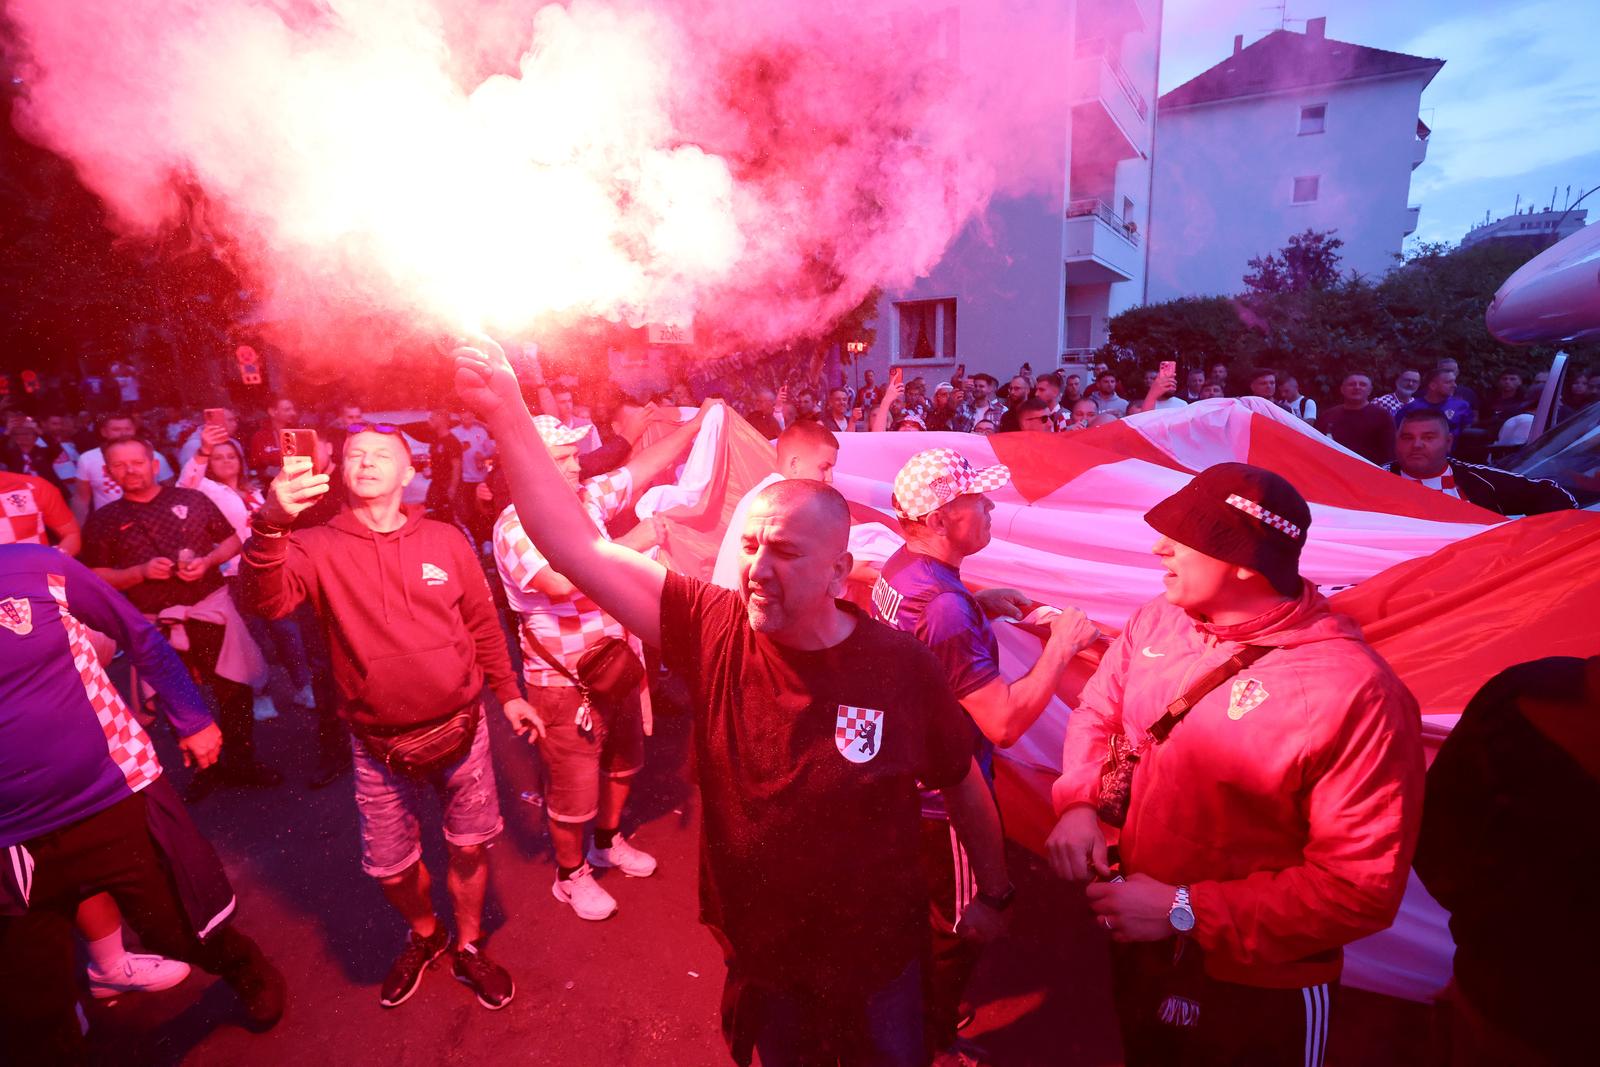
{"x":1504,"y":492}
{"x":1508,"y":847}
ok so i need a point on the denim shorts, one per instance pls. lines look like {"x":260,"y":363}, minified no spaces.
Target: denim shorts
{"x":576,"y":758}
{"x":388,"y":804}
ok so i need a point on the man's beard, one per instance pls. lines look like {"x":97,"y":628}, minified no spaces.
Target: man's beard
{"x":765,"y":616}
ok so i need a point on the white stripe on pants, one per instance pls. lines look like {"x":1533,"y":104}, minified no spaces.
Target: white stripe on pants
{"x":1316,"y":1023}
{"x":966,"y":886}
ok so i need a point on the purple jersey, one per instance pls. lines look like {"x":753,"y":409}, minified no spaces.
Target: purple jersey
{"x":69,"y":746}
{"x":924,"y":597}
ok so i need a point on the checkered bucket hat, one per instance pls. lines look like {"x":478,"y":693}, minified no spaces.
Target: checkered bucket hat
{"x":932,"y":478}
{"x":554,"y":434}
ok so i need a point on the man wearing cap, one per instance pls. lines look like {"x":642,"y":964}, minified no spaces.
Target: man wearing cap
{"x":592,"y":746}
{"x":944,"y":513}
{"x":1275,"y":794}
{"x":813,"y":726}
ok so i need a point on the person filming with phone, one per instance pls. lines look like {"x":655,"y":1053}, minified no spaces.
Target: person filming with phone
{"x":1264,"y":766}
{"x":413,"y":634}
{"x":164,"y":548}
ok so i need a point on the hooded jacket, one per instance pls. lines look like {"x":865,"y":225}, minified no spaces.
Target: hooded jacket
{"x":411,"y":628}
{"x":1288,"y":799}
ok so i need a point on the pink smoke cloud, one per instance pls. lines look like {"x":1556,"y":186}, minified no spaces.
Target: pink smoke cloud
{"x":755,"y":168}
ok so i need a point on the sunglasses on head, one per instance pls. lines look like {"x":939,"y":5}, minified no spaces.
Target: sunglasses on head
{"x":371,"y":427}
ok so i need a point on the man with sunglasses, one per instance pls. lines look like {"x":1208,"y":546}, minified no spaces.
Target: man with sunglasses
{"x":413,"y":634}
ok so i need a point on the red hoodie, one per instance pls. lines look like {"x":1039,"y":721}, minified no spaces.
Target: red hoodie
{"x":1289,"y":798}
{"x":411,"y":627}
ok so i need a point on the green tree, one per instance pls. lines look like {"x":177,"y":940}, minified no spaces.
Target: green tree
{"x":1309,"y":261}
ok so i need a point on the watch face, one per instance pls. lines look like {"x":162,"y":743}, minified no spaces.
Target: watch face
{"x":1182,"y":919}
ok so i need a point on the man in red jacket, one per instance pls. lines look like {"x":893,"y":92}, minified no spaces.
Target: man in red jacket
{"x":412,"y":634}
{"x":1271,"y":823}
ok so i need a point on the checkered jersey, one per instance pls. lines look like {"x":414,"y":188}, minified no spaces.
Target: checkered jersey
{"x":566,"y":626}
{"x":28,"y":505}
{"x":126,"y":742}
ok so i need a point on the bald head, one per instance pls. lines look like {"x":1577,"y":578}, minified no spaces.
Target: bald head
{"x":817,"y":507}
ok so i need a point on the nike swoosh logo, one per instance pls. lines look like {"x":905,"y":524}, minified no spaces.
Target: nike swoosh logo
{"x":1153,"y":655}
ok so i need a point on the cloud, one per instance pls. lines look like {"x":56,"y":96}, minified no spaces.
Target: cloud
{"x":1518,"y":93}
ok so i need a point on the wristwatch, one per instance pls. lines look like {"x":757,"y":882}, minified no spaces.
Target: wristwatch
{"x":1181,"y":915}
{"x":999,"y":902}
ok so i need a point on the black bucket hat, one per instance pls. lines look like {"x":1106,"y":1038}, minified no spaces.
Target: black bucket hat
{"x":1242,"y":515}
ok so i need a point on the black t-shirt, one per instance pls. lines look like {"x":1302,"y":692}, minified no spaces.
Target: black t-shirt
{"x":808,"y":765}
{"x":444,"y":455}
{"x":1367,"y":431}
{"x":125,"y":533}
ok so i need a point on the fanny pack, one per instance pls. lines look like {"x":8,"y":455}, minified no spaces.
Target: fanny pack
{"x":608,"y":671}
{"x":423,"y":751}
{"x":1116,"y":776}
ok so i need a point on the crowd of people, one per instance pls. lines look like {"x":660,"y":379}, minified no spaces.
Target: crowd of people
{"x":210,"y":546}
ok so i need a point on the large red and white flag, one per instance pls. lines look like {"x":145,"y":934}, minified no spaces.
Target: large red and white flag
{"x":1448,"y":592}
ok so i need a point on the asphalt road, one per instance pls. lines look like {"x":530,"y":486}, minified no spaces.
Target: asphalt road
{"x":641,"y":988}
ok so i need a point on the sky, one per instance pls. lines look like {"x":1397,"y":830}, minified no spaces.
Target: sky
{"x":1516,"y":108}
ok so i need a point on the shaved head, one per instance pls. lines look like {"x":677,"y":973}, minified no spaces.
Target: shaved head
{"x":819,"y":506}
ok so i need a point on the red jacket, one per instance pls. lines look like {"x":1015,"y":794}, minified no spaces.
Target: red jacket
{"x":1292,"y":819}
{"x":412,"y":631}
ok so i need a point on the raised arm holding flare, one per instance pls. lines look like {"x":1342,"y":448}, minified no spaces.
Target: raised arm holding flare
{"x":811,"y":870}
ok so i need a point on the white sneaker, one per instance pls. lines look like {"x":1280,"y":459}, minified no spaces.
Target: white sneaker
{"x":585,"y":895}
{"x":139,"y":973}
{"x":306,"y":698}
{"x":265,"y":709}
{"x":633,"y":862}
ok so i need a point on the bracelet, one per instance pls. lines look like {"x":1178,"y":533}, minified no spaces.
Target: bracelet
{"x":266,"y":529}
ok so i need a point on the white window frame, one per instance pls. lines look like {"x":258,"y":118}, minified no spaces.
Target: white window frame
{"x":1316,"y":189}
{"x":941,"y":323}
{"x":1301,"y":130}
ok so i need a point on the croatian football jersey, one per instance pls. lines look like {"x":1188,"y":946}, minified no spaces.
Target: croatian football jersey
{"x":566,"y":626}
{"x":924,"y":597}
{"x":29,"y":506}
{"x":69,"y":745}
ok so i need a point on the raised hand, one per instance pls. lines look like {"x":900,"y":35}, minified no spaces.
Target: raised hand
{"x":290,"y":494}
{"x":484,"y":378}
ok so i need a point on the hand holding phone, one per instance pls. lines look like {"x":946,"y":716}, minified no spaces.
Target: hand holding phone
{"x":299,"y":451}
{"x":1168,"y":369}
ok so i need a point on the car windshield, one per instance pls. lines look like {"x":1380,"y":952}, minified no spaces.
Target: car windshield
{"x":1569,"y":455}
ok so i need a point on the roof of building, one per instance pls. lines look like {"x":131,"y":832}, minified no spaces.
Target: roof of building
{"x":1285,"y":60}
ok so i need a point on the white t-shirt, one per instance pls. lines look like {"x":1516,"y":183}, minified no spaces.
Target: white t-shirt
{"x":1170,"y":402}
{"x":92,"y":469}
{"x":476,"y":447}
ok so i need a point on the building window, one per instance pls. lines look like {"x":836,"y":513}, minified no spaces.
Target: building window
{"x":1305,"y":189}
{"x":1078,"y":327}
{"x":1313,"y":119}
{"x":926,"y":329}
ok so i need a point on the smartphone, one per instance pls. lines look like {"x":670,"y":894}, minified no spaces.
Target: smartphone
{"x":961,"y":372}
{"x":299,"y":448}
{"x":1169,"y":368}
{"x":216,"y":417}
{"x":897,"y":376}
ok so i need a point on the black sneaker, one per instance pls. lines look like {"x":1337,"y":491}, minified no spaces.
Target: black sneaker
{"x":487,"y":978}
{"x":406,"y":974}
{"x":262,"y":991}
{"x":329,"y":771}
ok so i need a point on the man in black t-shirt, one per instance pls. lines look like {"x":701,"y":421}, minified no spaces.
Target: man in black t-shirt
{"x":809,"y":849}
{"x":161,"y":546}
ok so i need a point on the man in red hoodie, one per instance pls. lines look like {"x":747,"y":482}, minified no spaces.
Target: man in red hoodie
{"x":1276,"y":787}
{"x":412,"y":633}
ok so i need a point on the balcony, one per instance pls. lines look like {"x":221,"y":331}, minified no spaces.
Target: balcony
{"x":1419,"y":152}
{"x":1412,"y":213}
{"x":1106,"y":97}
{"x":1099,"y":247}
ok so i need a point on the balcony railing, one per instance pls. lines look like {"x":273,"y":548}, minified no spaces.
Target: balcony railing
{"x":1099,"y":47}
{"x":1077,"y":209}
